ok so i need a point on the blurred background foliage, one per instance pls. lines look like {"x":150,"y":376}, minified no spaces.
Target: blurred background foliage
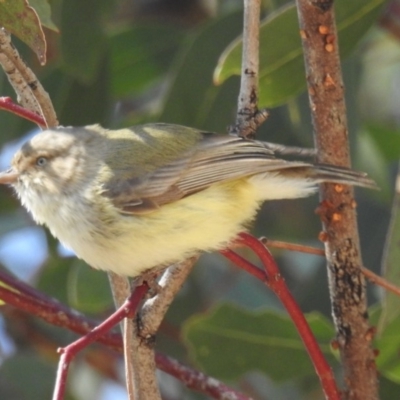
{"x":123,"y":62}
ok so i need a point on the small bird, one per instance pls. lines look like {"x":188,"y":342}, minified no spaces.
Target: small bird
{"x":132,"y":199}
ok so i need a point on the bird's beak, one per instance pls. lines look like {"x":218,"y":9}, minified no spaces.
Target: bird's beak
{"x":8,"y":177}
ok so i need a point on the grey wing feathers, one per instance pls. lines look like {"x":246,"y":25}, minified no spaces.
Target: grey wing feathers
{"x":216,"y":158}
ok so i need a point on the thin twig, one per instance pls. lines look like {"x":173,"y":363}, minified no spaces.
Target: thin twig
{"x":301,"y":248}
{"x":382,"y":282}
{"x":283,"y":150}
{"x":248,"y":117}
{"x":154,"y":309}
{"x":30,"y":91}
{"x":148,"y":321}
{"x":371,"y":276}
{"x":337,"y":210}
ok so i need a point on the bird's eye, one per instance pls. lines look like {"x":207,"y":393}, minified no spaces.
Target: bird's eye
{"x":41,"y":161}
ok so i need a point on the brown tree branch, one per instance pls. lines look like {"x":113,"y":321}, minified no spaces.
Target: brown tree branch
{"x":346,"y":282}
{"x":155,"y":308}
{"x":144,"y":329}
{"x":139,"y":333}
{"x":121,"y":289}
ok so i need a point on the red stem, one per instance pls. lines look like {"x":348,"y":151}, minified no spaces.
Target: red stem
{"x":26,"y":298}
{"x":7,"y":104}
{"x":127,"y":309}
{"x":273,"y":279}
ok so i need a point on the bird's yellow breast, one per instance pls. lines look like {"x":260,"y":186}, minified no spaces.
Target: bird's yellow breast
{"x":207,"y":220}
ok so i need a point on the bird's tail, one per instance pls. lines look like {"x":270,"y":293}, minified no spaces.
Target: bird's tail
{"x":329,"y":173}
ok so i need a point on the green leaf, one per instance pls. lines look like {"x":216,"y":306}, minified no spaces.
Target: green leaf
{"x":83,"y":42}
{"x":192,"y":99}
{"x":81,"y":103}
{"x":88,"y":289}
{"x":229,"y":341}
{"x":43,"y":10}
{"x":386,"y":139}
{"x":388,"y":390}
{"x":53,"y":278}
{"x":22,"y":21}
{"x":369,"y":158}
{"x":282,"y":74}
{"x":391,"y":261}
{"x":26,"y":376}
{"x":140,"y":56}
{"x":388,"y":344}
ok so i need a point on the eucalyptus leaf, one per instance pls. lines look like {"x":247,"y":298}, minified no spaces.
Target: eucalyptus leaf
{"x":386,"y":139}
{"x":26,"y":376}
{"x":282,"y":74}
{"x":20,"y":19}
{"x":42,"y":7}
{"x":388,"y":390}
{"x":230,"y":341}
{"x":54,"y":277}
{"x":83,"y":42}
{"x":391,"y":263}
{"x":88,"y":289}
{"x":192,"y":98}
{"x":388,"y":344}
{"x":141,"y":55}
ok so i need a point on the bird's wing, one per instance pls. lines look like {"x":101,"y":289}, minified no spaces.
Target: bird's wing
{"x":215,"y":158}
